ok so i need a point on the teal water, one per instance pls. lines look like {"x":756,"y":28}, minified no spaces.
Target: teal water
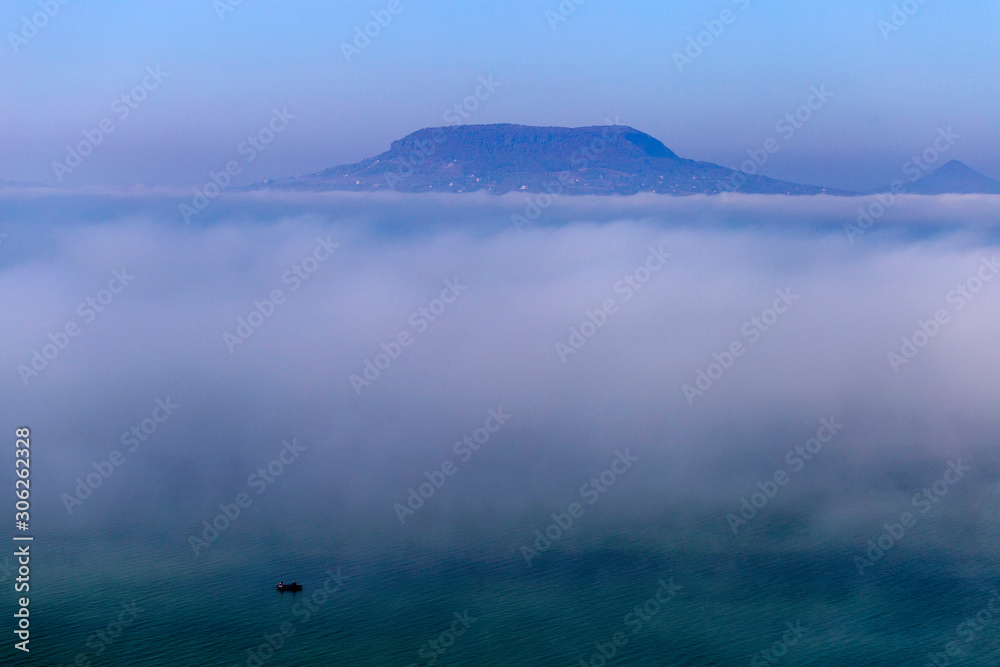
{"x":729,"y":605}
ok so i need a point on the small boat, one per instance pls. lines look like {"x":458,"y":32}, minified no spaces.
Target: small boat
{"x":282,"y":587}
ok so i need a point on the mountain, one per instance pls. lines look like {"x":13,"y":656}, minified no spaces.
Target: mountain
{"x":954,"y":177}
{"x":609,"y":159}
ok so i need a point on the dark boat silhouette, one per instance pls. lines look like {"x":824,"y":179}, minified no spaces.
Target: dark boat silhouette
{"x":282,"y":587}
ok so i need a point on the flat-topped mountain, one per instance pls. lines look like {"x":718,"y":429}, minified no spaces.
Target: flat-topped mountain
{"x":608,"y":159}
{"x":954,"y":178}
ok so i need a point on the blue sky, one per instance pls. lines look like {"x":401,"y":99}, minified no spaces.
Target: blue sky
{"x":891,"y":91}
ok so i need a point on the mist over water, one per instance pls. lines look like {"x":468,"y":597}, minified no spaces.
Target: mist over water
{"x":692,"y":347}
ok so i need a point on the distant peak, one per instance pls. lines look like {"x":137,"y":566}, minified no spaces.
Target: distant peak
{"x":955,"y":164}
{"x":954,"y":177}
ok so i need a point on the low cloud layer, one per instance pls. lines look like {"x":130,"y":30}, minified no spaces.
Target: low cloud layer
{"x":707,"y":338}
